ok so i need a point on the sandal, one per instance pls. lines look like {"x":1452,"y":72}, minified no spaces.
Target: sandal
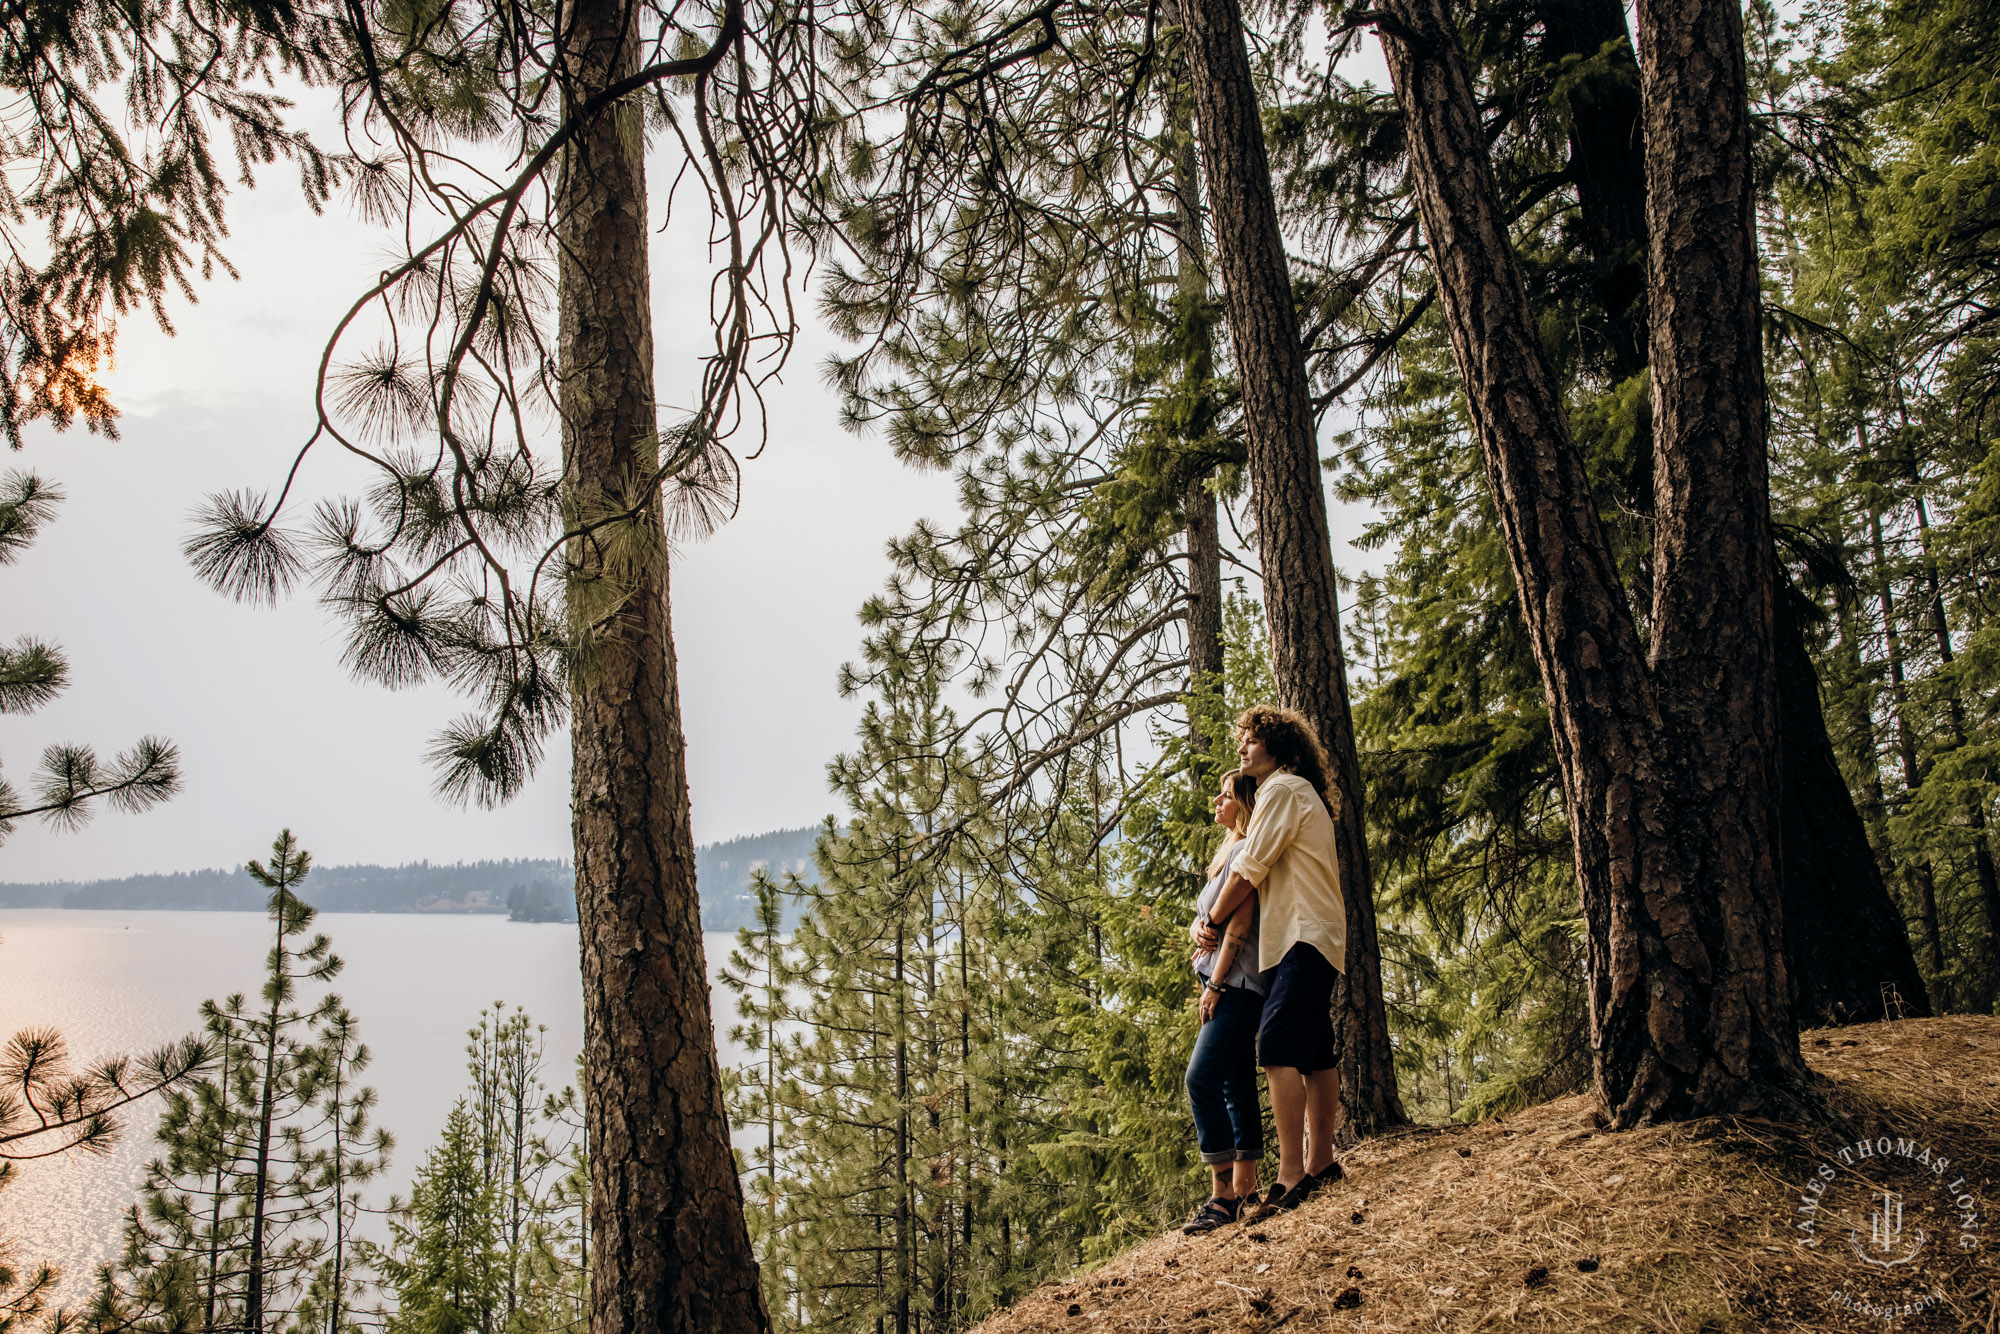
{"x":1218,"y":1212}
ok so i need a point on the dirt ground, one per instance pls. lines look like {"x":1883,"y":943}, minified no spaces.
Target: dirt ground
{"x":1543,"y":1221}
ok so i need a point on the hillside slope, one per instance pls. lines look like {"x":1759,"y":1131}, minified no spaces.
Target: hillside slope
{"x":1541,"y":1221}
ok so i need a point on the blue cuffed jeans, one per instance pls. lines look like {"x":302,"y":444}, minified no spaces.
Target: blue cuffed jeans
{"x":1222,"y":1081}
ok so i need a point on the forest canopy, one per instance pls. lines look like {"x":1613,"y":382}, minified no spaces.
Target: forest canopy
{"x":1660,"y":725}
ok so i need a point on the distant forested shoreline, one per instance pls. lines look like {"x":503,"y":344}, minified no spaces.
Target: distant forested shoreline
{"x":526,"y":889}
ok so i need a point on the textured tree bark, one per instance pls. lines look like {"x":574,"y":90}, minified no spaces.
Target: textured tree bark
{"x":1204,"y":543}
{"x":1715,"y":581}
{"x":669,"y":1251}
{"x":1824,"y":895}
{"x":1289,"y":503}
{"x":1689,"y":1006}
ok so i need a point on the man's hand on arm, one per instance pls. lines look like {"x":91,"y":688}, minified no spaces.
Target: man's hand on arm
{"x":1234,"y":895}
{"x":1205,"y":932}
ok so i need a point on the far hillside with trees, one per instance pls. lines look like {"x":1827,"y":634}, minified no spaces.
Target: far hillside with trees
{"x":527,"y":889}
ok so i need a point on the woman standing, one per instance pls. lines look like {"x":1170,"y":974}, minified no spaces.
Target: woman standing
{"x":1287,"y":865}
{"x":1222,"y":1074}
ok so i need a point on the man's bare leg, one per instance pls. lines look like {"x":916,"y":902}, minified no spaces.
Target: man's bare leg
{"x":1322,"y":1107}
{"x":1288,"y":1111}
{"x":1246,"y":1177}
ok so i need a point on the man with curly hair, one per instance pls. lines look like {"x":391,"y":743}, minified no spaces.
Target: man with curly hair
{"x":1288,"y":862}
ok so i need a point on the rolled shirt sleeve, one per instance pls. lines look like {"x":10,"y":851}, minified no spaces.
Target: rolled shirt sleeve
{"x":1272,"y":830}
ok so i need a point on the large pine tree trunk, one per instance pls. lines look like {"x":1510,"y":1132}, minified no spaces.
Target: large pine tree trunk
{"x":1828,"y":887}
{"x":1714,"y":578}
{"x":1689,"y":1008}
{"x":669,"y":1252}
{"x":1289,"y":503}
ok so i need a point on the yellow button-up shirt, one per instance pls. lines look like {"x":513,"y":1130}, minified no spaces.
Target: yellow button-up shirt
{"x":1288,"y":856}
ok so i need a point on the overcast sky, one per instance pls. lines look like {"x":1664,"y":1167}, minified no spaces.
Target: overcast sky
{"x":272,"y":732}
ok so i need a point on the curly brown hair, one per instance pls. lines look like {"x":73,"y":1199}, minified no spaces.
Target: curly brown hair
{"x":1293,"y":745}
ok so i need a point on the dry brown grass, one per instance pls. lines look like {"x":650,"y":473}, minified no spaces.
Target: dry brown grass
{"x":1542,"y":1221}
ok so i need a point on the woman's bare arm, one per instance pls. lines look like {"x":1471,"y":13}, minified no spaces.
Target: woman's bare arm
{"x":1235,"y":935}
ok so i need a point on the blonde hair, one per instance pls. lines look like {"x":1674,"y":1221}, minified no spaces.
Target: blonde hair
{"x":1243,"y":788}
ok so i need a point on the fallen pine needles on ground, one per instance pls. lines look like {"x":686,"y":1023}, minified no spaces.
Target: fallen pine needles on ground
{"x":1544,"y":1221}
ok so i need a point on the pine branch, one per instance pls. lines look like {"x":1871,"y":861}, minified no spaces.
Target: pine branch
{"x":27,"y":503}
{"x":41,"y":1097}
{"x":71,"y":780}
{"x":31,"y":674}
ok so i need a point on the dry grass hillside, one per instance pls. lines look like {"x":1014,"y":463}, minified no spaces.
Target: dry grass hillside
{"x":1542,"y":1221}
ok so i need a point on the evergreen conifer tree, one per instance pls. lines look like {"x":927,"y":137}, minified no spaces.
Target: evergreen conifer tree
{"x":491,"y":1239}
{"x":542,"y":592}
{"x":893,"y":1214}
{"x":119,"y":191}
{"x":1894,"y":466}
{"x":521,"y":1142}
{"x":446,"y":1262}
{"x":346,"y":1152}
{"x":759,"y":971}
{"x":558,"y":1263}
{"x":50,"y":1110}
{"x":246,"y":1216}
{"x":992,"y":1022}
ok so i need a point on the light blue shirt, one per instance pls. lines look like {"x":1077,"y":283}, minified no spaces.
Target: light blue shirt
{"x":1243,"y":968}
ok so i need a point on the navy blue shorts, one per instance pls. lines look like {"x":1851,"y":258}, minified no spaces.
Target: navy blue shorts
{"x":1297,"y":1030}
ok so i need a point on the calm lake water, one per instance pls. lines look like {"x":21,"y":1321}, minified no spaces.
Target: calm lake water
{"x":127,"y":981}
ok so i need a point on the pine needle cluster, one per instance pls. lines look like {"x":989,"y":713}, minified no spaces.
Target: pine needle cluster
{"x":71,"y":779}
